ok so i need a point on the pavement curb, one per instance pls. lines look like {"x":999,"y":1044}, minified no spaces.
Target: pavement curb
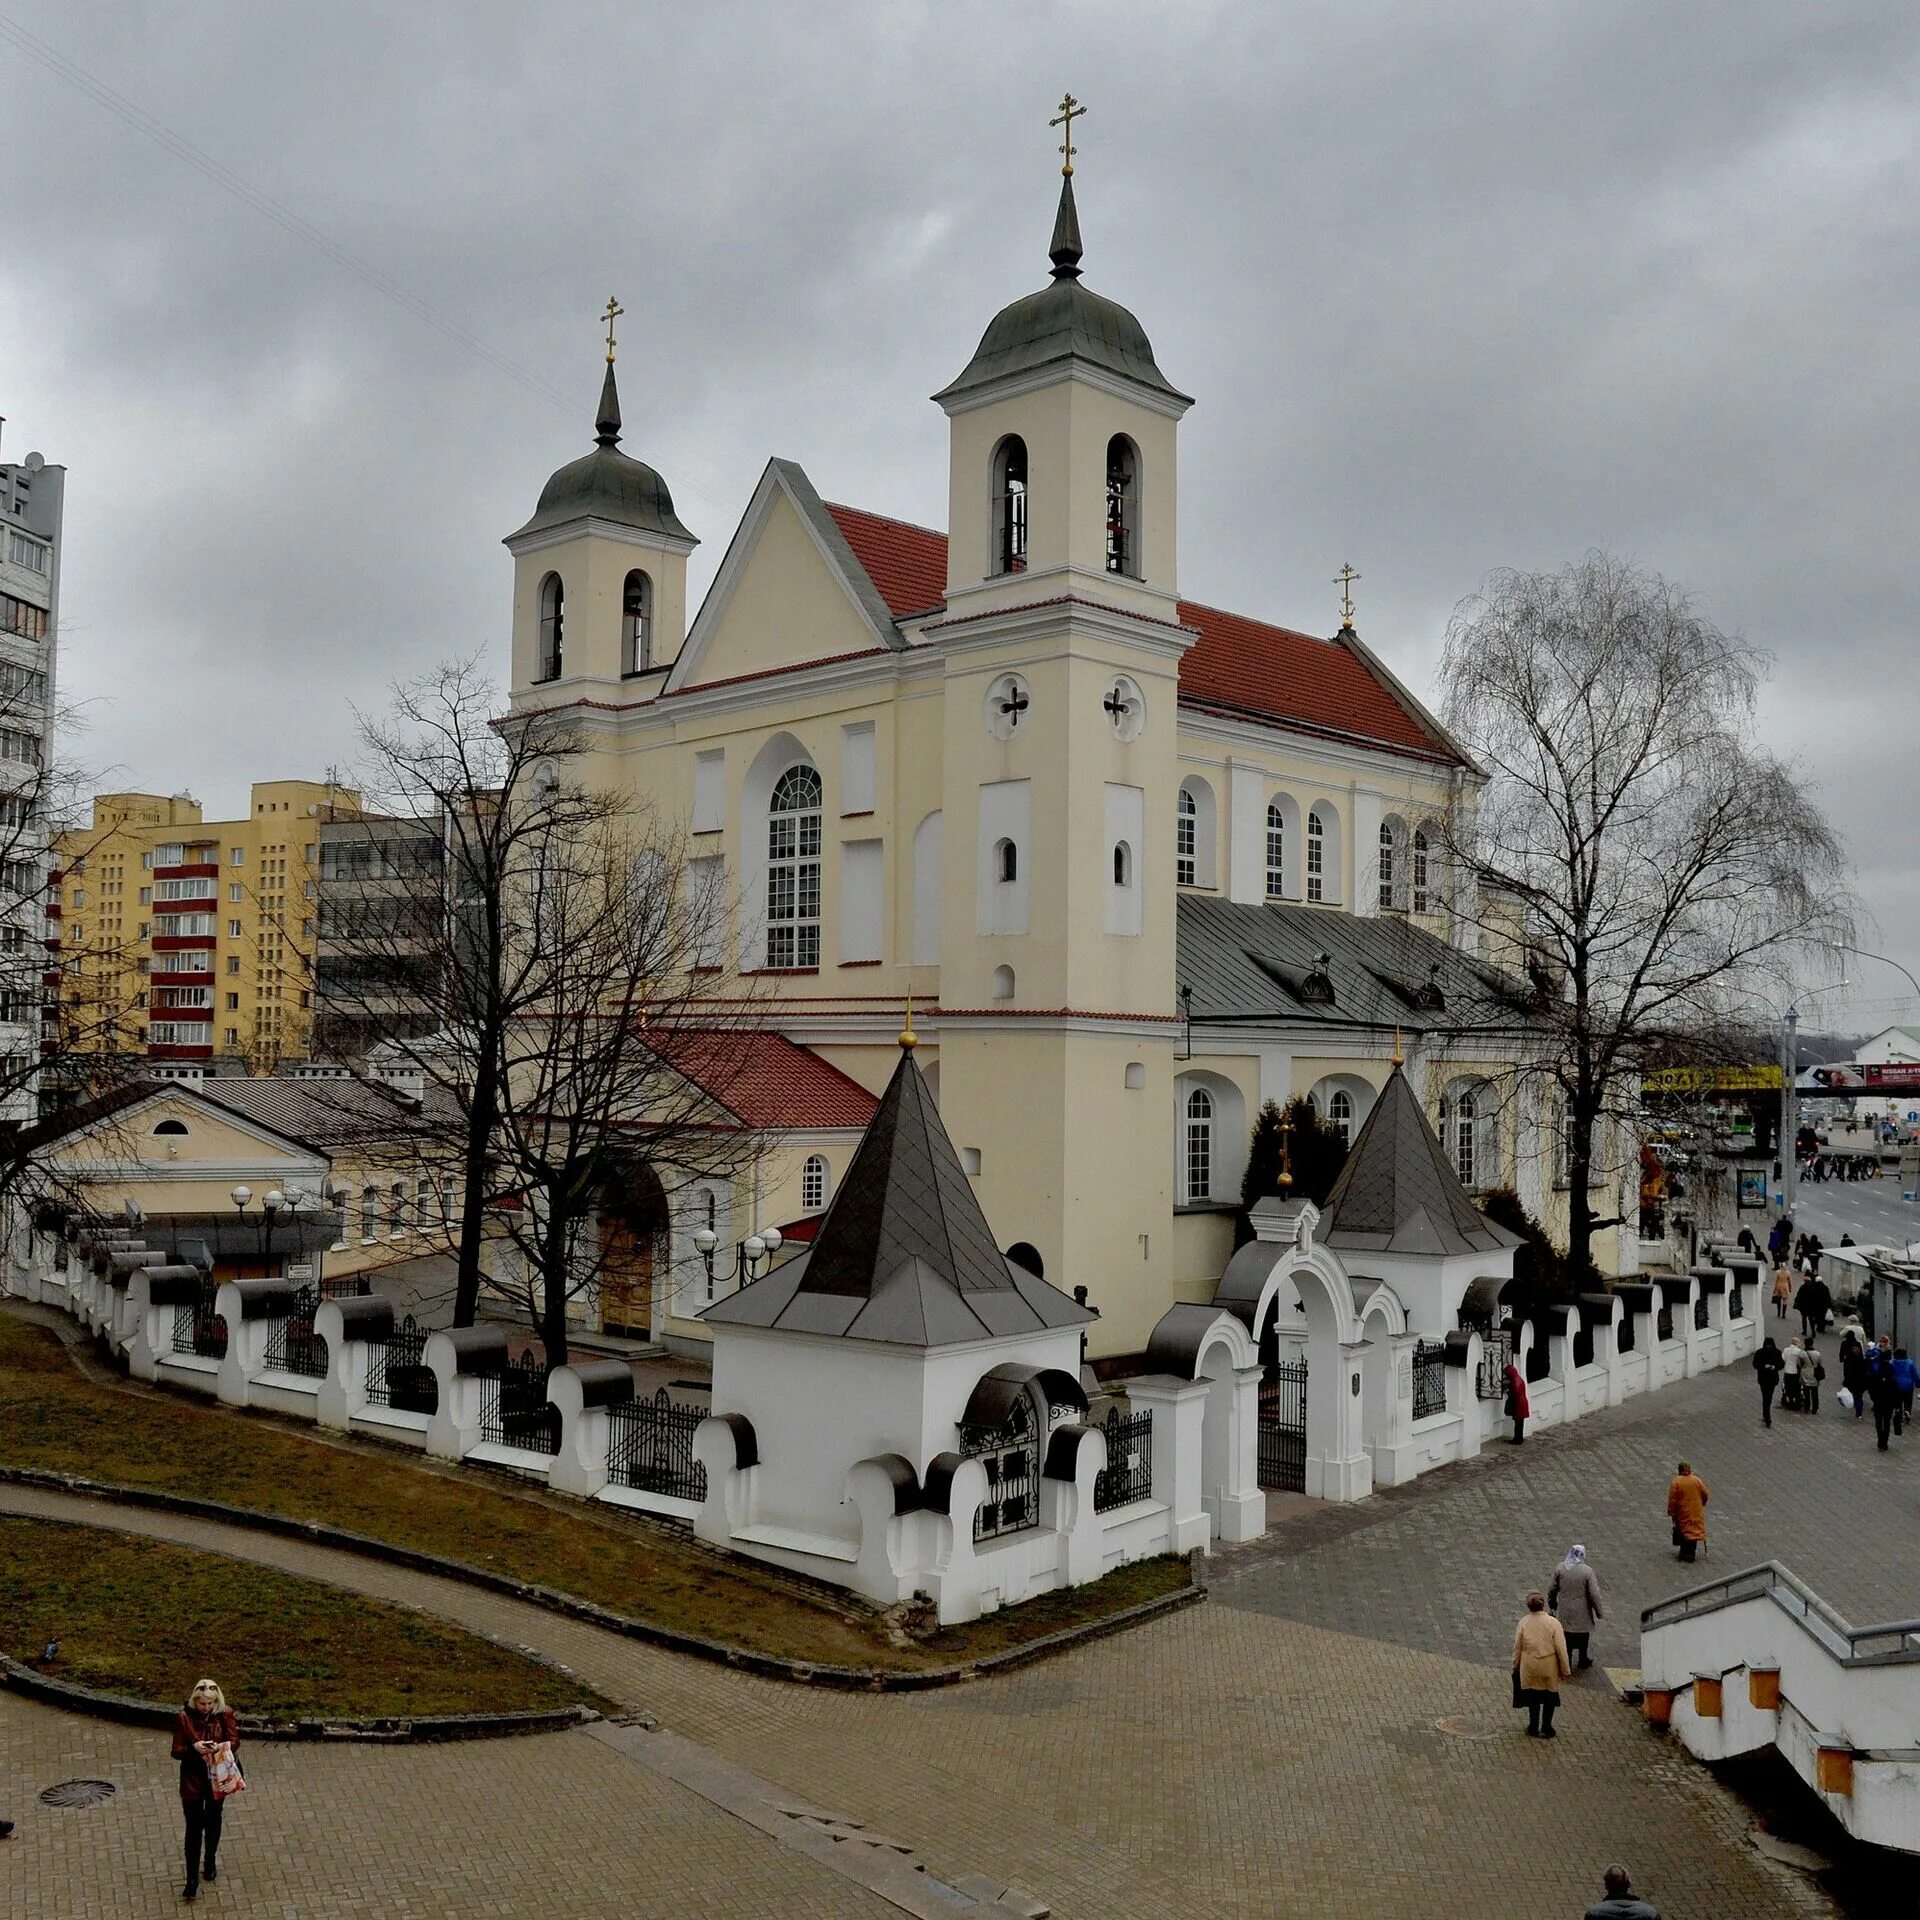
{"x":766,"y":1665}
{"x":132,"y":1711}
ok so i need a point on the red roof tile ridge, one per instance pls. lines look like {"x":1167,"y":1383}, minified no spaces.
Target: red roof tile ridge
{"x":891,"y":519}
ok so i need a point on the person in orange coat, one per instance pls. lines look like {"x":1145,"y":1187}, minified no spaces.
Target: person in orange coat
{"x":1687,"y":1509}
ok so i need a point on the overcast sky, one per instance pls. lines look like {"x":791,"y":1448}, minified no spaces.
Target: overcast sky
{"x":1455,"y":288}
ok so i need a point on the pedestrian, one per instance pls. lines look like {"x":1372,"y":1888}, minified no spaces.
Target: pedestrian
{"x":1620,"y":1903}
{"x":1812,"y":1371}
{"x":1886,"y":1401}
{"x":1906,"y":1376}
{"x":202,"y":1726}
{"x":1539,"y":1665}
{"x":1853,"y":1372}
{"x":1782,"y":1290}
{"x":1768,"y":1365}
{"x":1574,"y":1597}
{"x":1793,"y":1392}
{"x":1687,"y":1509}
{"x":1846,"y":1239}
{"x":1517,"y":1405}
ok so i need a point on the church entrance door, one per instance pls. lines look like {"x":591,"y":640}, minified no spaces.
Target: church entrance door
{"x":626,"y":1278}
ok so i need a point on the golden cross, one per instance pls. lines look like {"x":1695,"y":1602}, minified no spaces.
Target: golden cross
{"x":1070,"y":111}
{"x":1285,"y":1180}
{"x":613,"y":313}
{"x":1344,"y":580}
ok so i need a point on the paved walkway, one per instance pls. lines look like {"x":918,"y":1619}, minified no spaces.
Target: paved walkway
{"x":1329,"y":1732}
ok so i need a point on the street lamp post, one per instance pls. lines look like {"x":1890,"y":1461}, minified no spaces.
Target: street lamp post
{"x":271,"y":1204}
{"x":1789,"y":1107}
{"x":750,"y":1252}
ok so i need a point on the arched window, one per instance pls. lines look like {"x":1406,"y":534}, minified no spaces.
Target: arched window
{"x":1123,"y":506}
{"x":1006,"y":862}
{"x":793,"y":870}
{"x":1003,"y":983}
{"x":397,"y":1209}
{"x":1386,"y":865}
{"x":1422,"y":886}
{"x":369,"y":1214}
{"x":1460,"y":1134}
{"x":1122,"y":864}
{"x":1316,"y":856}
{"x":1340,"y":1114}
{"x":424,"y":1207}
{"x":1186,"y":840}
{"x":553,"y":619}
{"x":1199,"y":1144}
{"x":169,"y":1128}
{"x":1276,"y":851}
{"x":636,"y":623}
{"x":1009,"y":552}
{"x":813,"y":1183}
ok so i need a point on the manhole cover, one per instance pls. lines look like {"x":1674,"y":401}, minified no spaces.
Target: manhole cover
{"x":79,"y":1793}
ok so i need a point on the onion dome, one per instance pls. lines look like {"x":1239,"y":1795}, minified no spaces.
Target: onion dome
{"x":607,"y":484}
{"x":1063,"y":321}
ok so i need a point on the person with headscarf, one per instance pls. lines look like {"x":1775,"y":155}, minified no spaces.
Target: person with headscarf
{"x":1574,"y":1596}
{"x":202,"y":1727}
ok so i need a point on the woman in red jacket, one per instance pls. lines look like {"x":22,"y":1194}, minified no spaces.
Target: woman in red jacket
{"x":198,"y":1729}
{"x":1517,"y":1404}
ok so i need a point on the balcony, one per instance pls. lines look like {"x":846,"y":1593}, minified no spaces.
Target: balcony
{"x":189,"y":870}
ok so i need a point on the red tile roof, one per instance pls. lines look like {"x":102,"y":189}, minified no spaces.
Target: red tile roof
{"x":1247,"y":666}
{"x":908,"y":564}
{"x":1237,"y":665}
{"x":766,"y":1080}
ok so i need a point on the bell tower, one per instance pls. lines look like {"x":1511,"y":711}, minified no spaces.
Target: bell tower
{"x":1062,"y":647}
{"x":600,"y":573}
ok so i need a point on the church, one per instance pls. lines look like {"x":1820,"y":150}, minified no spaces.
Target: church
{"x":1141,"y":864}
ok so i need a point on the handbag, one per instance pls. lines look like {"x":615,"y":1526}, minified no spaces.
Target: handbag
{"x":1519,"y":1695}
{"x":1679,"y":1538}
{"x":223,"y":1772}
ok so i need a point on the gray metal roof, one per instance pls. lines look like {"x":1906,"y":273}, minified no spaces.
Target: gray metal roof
{"x":1063,"y":321}
{"x":1399,"y":1194}
{"x":606,"y":483}
{"x":1249,"y":963}
{"x":904,"y":1255}
{"x":331,"y":1114}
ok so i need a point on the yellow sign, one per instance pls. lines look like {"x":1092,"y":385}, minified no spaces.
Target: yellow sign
{"x":1713,"y":1080}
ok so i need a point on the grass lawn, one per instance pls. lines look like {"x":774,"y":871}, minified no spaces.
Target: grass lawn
{"x":145,"y":1618}
{"x":53,"y":1417}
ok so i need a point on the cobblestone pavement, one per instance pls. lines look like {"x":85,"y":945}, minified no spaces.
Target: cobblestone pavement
{"x":1295,"y":1747}
{"x":1445,"y":1564}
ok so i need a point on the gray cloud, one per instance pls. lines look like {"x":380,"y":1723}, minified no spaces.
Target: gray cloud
{"x":1455,"y":288}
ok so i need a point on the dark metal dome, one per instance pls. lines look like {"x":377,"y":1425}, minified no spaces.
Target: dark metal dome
{"x":1063,"y":321}
{"x":607,"y":483}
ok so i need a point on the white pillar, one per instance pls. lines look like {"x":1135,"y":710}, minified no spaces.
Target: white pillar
{"x":1179,"y":1414}
{"x":583,"y":1392}
{"x":1338,"y":1465}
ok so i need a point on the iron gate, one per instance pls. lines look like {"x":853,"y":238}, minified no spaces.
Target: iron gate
{"x":1011,"y":1456}
{"x":1496,"y":1355}
{"x":397,"y":1376}
{"x":1283,"y":1426}
{"x":514,"y":1409}
{"x":293,"y":1346}
{"x":650,"y":1446}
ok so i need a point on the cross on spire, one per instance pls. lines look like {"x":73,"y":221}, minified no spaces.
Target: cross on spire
{"x":1284,"y":1180}
{"x":1070,"y":111}
{"x":613,"y":312}
{"x":1344,"y":580}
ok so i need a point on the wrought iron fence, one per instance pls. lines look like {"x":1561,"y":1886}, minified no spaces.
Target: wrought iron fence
{"x":1624,"y":1340}
{"x":1582,"y":1344}
{"x":1496,"y":1355}
{"x":346,"y":1287}
{"x":397,"y":1376}
{"x":650,"y":1447}
{"x":197,"y":1329}
{"x":293,"y":1346}
{"x":1663,"y":1322}
{"x":1011,"y":1456}
{"x":1429,"y":1378}
{"x":1735,"y":1305}
{"x":1700,"y":1314}
{"x":1539,"y":1355}
{"x":1282,"y":1426}
{"x":1128,"y":1474}
{"x":514,"y":1409}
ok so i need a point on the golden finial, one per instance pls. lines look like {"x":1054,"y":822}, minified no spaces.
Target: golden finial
{"x":1070,"y":111}
{"x":613,"y":313}
{"x":1399,"y":1055}
{"x":908,"y":1038}
{"x":1344,"y":580}
{"x":1285,"y":1180}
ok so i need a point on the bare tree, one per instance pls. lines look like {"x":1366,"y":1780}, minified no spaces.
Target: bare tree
{"x":608,"y":1084}
{"x":1662,"y":870}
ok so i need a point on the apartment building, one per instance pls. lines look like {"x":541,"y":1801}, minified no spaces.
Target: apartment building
{"x":32,"y":499}
{"x":192,"y":941}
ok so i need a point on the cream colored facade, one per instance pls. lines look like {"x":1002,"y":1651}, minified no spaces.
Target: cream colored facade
{"x":195,"y":937}
{"x":1047,"y":990}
